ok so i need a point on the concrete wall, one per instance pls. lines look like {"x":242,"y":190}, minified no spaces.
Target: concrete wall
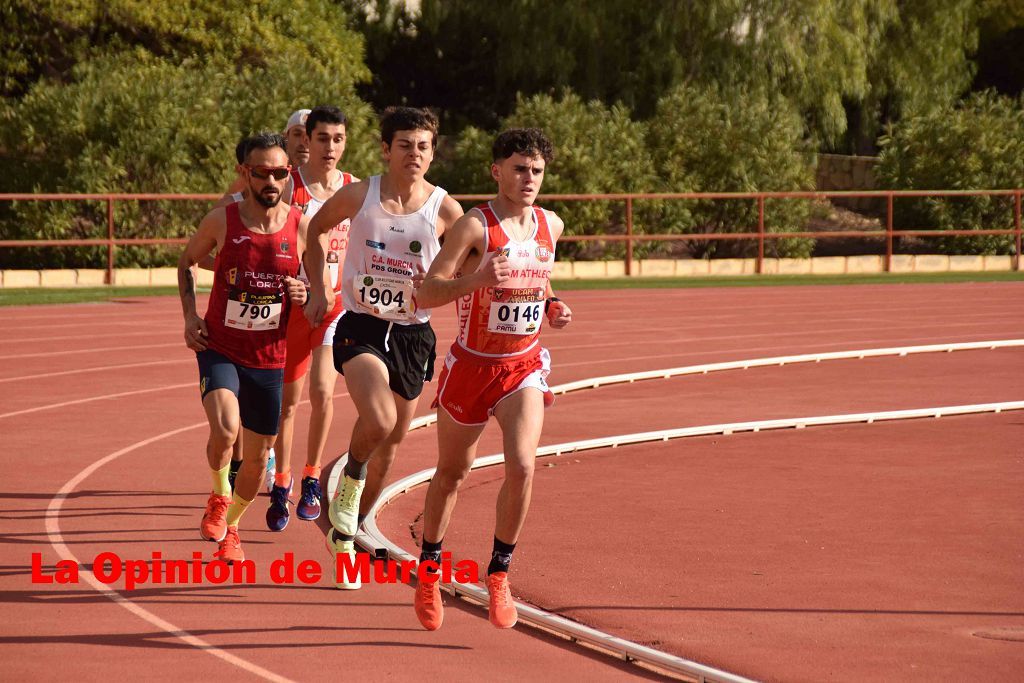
{"x":565,"y":270}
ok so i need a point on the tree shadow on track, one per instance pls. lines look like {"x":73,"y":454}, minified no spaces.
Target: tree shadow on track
{"x":120,"y":493}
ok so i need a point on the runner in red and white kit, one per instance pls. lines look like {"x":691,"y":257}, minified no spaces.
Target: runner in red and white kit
{"x":496,"y":263}
{"x":240,"y":342}
{"x":311,"y":185}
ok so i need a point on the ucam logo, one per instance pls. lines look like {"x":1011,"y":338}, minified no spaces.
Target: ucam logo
{"x":375,"y":245}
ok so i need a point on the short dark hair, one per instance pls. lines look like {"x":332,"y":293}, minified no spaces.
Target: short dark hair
{"x":240,"y":149}
{"x":264,"y":140}
{"x":395,"y":119}
{"x":526,"y":141}
{"x":324,"y":113}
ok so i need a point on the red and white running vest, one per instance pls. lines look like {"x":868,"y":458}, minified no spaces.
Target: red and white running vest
{"x":248,"y":303}
{"x":506,"y":320}
{"x":337,"y":237}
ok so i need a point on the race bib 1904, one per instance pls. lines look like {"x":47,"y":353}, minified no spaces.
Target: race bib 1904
{"x":515,"y":311}
{"x":384,"y":297}
{"x":253,"y":312}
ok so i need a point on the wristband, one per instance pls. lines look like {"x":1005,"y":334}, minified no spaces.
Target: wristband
{"x":547,"y":302}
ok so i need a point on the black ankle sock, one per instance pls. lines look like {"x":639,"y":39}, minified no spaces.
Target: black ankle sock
{"x":235,"y":464}
{"x":501,"y":556}
{"x":431,"y":551}
{"x":355,"y":469}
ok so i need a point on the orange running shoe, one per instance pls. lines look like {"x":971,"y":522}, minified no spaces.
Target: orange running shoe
{"x":429,"y":608}
{"x":230,"y":549}
{"x":215,"y":519}
{"x":502,"y":611}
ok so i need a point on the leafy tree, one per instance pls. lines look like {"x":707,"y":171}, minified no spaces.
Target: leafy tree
{"x":707,"y":139}
{"x":133,"y":120}
{"x":598,"y":149}
{"x":977,"y":144}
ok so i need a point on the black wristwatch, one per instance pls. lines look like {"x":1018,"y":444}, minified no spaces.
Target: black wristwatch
{"x":547,"y":302}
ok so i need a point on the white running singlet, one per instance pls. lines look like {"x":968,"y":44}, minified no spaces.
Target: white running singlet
{"x":383,"y":252}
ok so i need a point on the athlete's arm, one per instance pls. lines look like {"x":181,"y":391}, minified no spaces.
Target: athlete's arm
{"x":342,"y":205}
{"x":295,"y":288}
{"x":558,"y":312}
{"x":237,"y":185}
{"x":448,"y":213}
{"x":209,"y":236}
{"x":440,"y":286}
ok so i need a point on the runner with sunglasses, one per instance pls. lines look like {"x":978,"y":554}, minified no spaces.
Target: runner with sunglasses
{"x":384,"y":344}
{"x":240,"y":342}
{"x":309,"y":348}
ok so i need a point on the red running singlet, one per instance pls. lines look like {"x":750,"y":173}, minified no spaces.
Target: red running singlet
{"x":248,"y":303}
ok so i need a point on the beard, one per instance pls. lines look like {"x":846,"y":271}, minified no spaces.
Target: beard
{"x":268,"y":202}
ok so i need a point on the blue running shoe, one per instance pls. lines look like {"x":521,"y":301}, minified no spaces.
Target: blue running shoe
{"x":268,"y":478}
{"x":309,"y":503}
{"x":277,"y":513}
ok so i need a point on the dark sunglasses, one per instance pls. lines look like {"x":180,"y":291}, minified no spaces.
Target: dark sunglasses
{"x":264,"y":172}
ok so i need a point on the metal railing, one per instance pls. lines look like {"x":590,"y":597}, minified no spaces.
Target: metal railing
{"x":761,"y":235}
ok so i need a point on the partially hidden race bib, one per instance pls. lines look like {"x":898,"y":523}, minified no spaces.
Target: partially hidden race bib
{"x":384,"y":297}
{"x":253,"y":312}
{"x":333,"y":268}
{"x":516,"y":311}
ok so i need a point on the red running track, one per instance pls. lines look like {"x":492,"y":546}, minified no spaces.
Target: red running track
{"x":842,"y":552}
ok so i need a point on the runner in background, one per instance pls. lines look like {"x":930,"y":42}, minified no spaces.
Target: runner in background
{"x":310,"y":349}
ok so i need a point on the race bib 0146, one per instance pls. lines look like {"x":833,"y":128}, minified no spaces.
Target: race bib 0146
{"x":515,"y":311}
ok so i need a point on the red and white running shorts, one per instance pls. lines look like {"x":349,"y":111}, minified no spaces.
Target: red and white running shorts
{"x":302,"y":339}
{"x":471,"y":386}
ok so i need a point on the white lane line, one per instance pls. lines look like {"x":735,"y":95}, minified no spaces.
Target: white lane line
{"x":57,"y":541}
{"x":373,"y":538}
{"x":152,"y":332}
{"x":99,"y":368}
{"x":101,"y":349}
{"x":79,"y":401}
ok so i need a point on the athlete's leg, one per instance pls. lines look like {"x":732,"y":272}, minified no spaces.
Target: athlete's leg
{"x":456,"y":450}
{"x":323,"y":378}
{"x":521,"y":417}
{"x":384,"y":454}
{"x":221,"y":406}
{"x":367,"y":379}
{"x":286,"y":427}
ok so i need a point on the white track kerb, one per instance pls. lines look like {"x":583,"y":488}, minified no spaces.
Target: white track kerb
{"x":373,"y":540}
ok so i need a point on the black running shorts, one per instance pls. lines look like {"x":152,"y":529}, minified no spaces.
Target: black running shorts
{"x":408,"y":351}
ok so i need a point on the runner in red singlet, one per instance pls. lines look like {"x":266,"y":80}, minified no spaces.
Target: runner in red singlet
{"x":311,"y":186}
{"x":240,"y":342}
{"x":496,"y":263}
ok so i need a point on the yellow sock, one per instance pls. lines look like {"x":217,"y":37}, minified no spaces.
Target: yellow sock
{"x":221,"y":485}
{"x":236,"y":509}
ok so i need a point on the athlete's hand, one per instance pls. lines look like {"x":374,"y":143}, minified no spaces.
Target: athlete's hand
{"x":496,"y":271}
{"x":419,"y":277}
{"x":195,"y":333}
{"x":559,"y":314}
{"x":296,"y":290}
{"x":316,"y":308}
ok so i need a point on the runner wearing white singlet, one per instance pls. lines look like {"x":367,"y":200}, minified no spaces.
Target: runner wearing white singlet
{"x":384,"y":344}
